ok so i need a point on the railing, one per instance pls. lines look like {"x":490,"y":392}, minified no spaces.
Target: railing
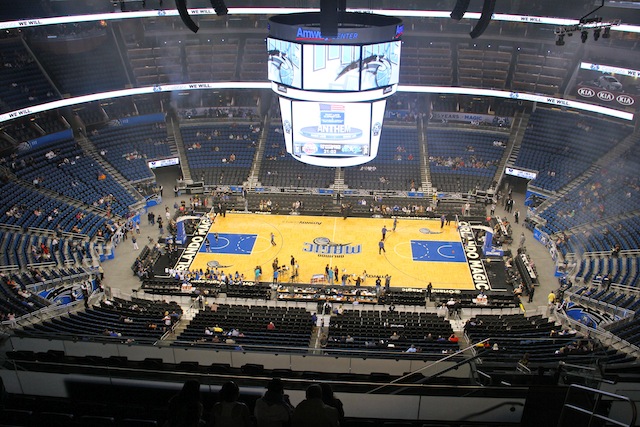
{"x":598,"y":412}
{"x":603,"y":336}
{"x":613,"y":310}
{"x":10,"y":227}
{"x":65,"y":234}
{"x":485,"y":404}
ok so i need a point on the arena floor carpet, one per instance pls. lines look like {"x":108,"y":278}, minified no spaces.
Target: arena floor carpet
{"x":417,"y":252}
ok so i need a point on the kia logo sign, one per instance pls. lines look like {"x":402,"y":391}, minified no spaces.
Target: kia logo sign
{"x":625,"y":100}
{"x":605,"y":96}
{"x":586,"y":92}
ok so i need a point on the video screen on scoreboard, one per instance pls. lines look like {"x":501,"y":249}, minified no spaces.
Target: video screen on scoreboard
{"x":380,"y":65}
{"x":331,"y":67}
{"x":284,"y":62}
{"x":331,"y":129}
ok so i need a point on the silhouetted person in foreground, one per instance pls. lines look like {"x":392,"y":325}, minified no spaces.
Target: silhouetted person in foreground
{"x":273,"y":409}
{"x":329,"y":399}
{"x":312,"y":412}
{"x":228,"y":412}
{"x":185,"y":408}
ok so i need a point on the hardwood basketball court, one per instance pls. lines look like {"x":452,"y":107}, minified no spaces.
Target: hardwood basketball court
{"x":419,"y":251}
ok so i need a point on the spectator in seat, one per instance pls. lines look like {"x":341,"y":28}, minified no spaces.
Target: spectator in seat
{"x":313,"y":412}
{"x":185,"y":408}
{"x":228,"y":412}
{"x":329,"y":399}
{"x":274,"y":408}
{"x":271,"y":326}
{"x":615,"y":251}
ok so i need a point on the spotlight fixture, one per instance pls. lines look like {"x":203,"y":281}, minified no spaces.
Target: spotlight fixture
{"x":560,"y":40}
{"x":586,"y":24}
{"x":181,"y":5}
{"x":219,"y":7}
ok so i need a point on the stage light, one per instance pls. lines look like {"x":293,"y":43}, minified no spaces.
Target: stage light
{"x":584,"y":36}
{"x":459,"y":9}
{"x":560,"y":40}
{"x":181,"y":5}
{"x":607,"y":33}
{"x":219,"y":7}
{"x":485,"y":18}
{"x":596,"y":34}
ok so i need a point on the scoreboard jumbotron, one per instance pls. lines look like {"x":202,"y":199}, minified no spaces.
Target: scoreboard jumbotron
{"x":333,"y":90}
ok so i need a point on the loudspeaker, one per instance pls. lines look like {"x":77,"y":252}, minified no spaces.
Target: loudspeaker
{"x":460,"y":9}
{"x":329,"y":18}
{"x":485,"y":19}
{"x":181,"y":5}
{"x":219,"y":7}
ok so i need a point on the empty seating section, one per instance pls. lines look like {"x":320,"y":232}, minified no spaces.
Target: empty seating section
{"x":611,"y":191}
{"x":98,"y":70}
{"x":279,"y":169}
{"x":91,"y":113}
{"x":21,"y":205}
{"x":64,"y":168}
{"x":613,"y":297}
{"x":621,"y":270}
{"x":21,"y":81}
{"x":462,"y":160}
{"x":50,"y":122}
{"x":629,"y":332}
{"x":390,"y":331}
{"x":516,"y":335}
{"x":119,"y":108}
{"x":211,"y":62}
{"x":602,"y":238}
{"x":148,"y":104}
{"x":15,"y":299}
{"x":483,"y":68}
{"x":540,"y":74}
{"x":254,"y":60}
{"x":221,"y":154}
{"x":563,"y":145}
{"x":128,"y":148}
{"x":292,"y":326}
{"x":95,"y":322}
{"x":397,"y":166}
{"x":156,"y":65}
{"x":24,"y":249}
{"x":426,"y":64}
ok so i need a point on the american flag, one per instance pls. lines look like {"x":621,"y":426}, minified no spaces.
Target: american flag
{"x":331,"y":107}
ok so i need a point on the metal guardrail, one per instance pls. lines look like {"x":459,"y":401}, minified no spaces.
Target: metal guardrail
{"x":598,"y":411}
{"x":602,"y":335}
{"x":599,"y":305}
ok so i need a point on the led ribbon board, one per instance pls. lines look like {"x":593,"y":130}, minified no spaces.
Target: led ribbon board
{"x":321,"y":96}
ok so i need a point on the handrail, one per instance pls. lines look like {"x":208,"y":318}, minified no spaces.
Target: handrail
{"x":11,"y":227}
{"x":254,"y":378}
{"x":595,"y":418}
{"x":600,"y":305}
{"x":447,"y":357}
